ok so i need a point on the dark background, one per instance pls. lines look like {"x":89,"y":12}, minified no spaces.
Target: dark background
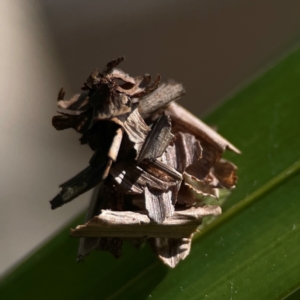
{"x":210,"y":46}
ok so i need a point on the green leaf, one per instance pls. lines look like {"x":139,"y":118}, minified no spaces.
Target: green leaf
{"x":249,"y":252}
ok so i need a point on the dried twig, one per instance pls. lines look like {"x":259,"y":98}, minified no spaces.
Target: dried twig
{"x":129,"y":224}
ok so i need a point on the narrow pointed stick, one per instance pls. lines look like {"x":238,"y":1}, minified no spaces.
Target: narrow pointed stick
{"x":185,"y":121}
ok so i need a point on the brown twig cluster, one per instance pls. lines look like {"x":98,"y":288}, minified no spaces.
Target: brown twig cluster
{"x":153,"y":162}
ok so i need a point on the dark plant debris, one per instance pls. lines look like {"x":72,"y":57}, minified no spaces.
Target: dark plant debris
{"x":153,"y":163}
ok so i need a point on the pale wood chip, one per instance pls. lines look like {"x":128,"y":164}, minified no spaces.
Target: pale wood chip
{"x":77,"y":103}
{"x":158,"y":204}
{"x":185,"y":121}
{"x":172,"y":251}
{"x":117,"y":104}
{"x":130,"y":88}
{"x":146,"y":87}
{"x":187,"y":151}
{"x":135,"y":127}
{"x":195,"y":188}
{"x":201,"y":168}
{"x":154,"y":104}
{"x":157,"y":140}
{"x":136,"y":224}
{"x":119,"y":74}
{"x":112,"y":64}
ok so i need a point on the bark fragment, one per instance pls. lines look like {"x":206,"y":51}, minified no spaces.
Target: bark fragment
{"x":172,"y":251}
{"x":155,"y":103}
{"x":158,"y":204}
{"x":157,"y":140}
{"x":185,"y":121}
{"x":137,"y":224}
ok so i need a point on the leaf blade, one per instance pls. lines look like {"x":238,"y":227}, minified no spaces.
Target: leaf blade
{"x":243,"y":252}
